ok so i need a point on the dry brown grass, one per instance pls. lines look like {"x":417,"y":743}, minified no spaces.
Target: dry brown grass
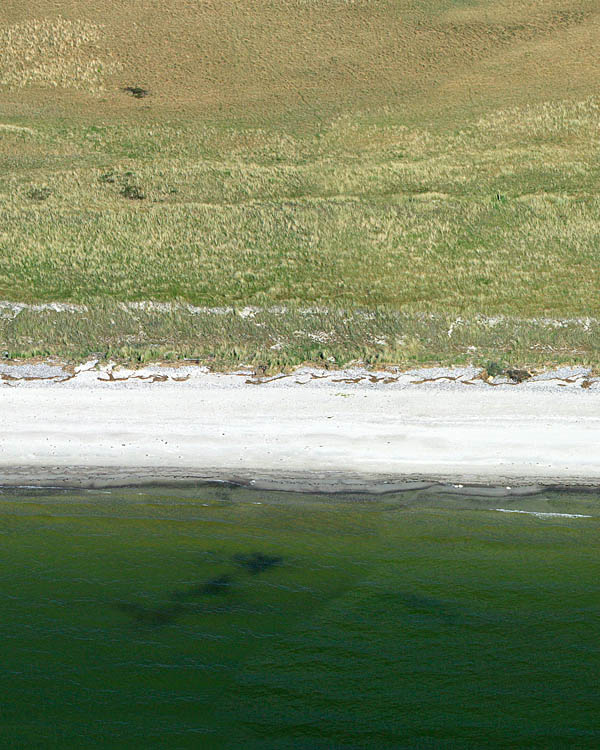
{"x":54,"y":53}
{"x":262,"y":59}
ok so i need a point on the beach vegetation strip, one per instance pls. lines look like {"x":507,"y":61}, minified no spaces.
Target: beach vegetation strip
{"x":280,"y":338}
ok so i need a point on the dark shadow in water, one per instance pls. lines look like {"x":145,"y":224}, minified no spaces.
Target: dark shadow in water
{"x":218,"y":585}
{"x":152,"y":617}
{"x":428,"y":607}
{"x":256,"y":562}
{"x":168,"y":613}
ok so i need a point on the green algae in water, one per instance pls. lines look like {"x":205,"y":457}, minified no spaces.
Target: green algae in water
{"x":227,"y":618}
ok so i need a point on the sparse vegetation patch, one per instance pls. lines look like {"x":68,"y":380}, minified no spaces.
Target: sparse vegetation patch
{"x":133,"y":192}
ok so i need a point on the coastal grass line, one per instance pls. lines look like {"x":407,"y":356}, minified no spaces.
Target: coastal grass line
{"x":278,"y":338}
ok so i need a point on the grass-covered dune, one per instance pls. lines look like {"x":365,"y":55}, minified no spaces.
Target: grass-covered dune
{"x":420,"y":161}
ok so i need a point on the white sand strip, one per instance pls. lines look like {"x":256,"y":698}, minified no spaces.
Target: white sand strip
{"x":221,"y":427}
{"x":542,"y":514}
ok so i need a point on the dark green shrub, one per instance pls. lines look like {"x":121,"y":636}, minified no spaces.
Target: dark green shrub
{"x":494,"y":369}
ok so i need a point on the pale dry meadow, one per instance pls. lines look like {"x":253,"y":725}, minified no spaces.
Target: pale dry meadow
{"x":390,"y":211}
{"x":55,"y":53}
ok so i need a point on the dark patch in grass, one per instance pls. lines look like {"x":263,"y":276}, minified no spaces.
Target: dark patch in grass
{"x":132,"y":192}
{"x":256,"y":562}
{"x":136,"y":91}
{"x":126,"y":180}
{"x":108,"y":178}
{"x":39,"y":194}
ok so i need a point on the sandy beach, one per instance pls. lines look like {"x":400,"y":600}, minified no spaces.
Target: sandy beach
{"x":312,"y":430}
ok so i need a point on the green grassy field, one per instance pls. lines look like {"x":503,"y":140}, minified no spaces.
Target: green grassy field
{"x":450,"y":171}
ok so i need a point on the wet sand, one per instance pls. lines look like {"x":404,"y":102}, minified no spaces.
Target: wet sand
{"x":317,"y":431}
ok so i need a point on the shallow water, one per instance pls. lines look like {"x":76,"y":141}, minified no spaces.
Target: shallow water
{"x":225,"y":618}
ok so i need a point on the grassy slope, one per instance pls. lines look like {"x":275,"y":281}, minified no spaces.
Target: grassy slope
{"x":434,"y":157}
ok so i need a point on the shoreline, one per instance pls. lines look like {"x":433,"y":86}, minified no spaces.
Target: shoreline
{"x":103,"y":477}
{"x":311,"y":431}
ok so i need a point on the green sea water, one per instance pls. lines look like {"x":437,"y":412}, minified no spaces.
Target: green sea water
{"x":221,"y":617}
